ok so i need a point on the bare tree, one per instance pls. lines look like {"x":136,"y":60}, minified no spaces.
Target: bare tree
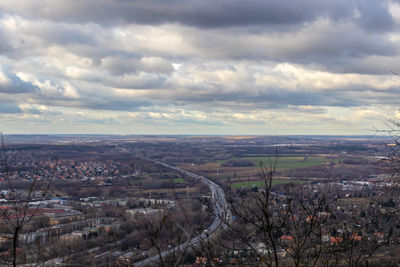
{"x":394,"y":152}
{"x":17,"y":214}
{"x":272,"y":225}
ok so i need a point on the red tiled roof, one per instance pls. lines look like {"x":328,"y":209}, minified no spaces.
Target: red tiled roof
{"x":336,"y":239}
{"x":356,"y":237}
{"x":286,"y":237}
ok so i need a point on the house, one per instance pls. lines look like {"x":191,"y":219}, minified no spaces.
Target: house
{"x":310,"y":219}
{"x":326,"y":238}
{"x":336,"y":240}
{"x":379,"y":236}
{"x":286,"y":239}
{"x":356,"y":237}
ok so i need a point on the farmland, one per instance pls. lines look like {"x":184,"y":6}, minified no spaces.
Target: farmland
{"x":288,"y":162}
{"x":127,"y":187}
{"x":244,"y":170}
{"x":261,"y":184}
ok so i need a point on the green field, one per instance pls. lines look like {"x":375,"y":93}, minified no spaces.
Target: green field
{"x":261,"y":183}
{"x":272,"y":155}
{"x":179,"y":181}
{"x":288,"y":163}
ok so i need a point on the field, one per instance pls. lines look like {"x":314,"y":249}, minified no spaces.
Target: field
{"x":247,"y":176}
{"x":288,"y":163}
{"x":179,"y":181}
{"x":261,"y":183}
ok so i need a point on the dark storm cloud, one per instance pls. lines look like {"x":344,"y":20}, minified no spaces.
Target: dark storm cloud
{"x":36,"y":111}
{"x":126,"y":65}
{"x":370,"y":65}
{"x":99,"y":100}
{"x":62,"y":33}
{"x":281,"y":98}
{"x":17,"y":86}
{"x":308,"y":109}
{"x":374,"y":16}
{"x":115,"y":104}
{"x":207,"y":13}
{"x":335,"y":46}
{"x":181,"y":61}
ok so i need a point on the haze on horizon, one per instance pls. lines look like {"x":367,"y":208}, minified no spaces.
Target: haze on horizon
{"x":198,"y":67}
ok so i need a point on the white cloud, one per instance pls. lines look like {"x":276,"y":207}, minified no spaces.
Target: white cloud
{"x":63,"y":65}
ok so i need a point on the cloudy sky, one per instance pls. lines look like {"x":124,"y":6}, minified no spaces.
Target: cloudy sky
{"x":198,"y":67}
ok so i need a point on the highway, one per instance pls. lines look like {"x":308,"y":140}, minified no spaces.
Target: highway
{"x":220,"y":210}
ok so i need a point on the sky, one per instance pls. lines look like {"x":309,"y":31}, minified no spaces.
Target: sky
{"x":237,"y":67}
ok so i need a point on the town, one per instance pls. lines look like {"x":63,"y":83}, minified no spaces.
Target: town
{"x":131,"y":202}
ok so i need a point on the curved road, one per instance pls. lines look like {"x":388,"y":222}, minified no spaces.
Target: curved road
{"x":220,"y":210}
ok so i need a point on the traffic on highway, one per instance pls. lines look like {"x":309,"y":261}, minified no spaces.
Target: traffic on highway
{"x":222,"y":216}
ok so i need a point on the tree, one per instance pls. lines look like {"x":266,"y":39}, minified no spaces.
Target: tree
{"x":394,"y":152}
{"x":17,"y":214}
{"x":271,"y":225}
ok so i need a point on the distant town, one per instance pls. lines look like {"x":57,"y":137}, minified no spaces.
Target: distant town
{"x":196,"y":201}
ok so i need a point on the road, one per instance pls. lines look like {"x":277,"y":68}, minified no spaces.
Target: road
{"x":220,"y":210}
